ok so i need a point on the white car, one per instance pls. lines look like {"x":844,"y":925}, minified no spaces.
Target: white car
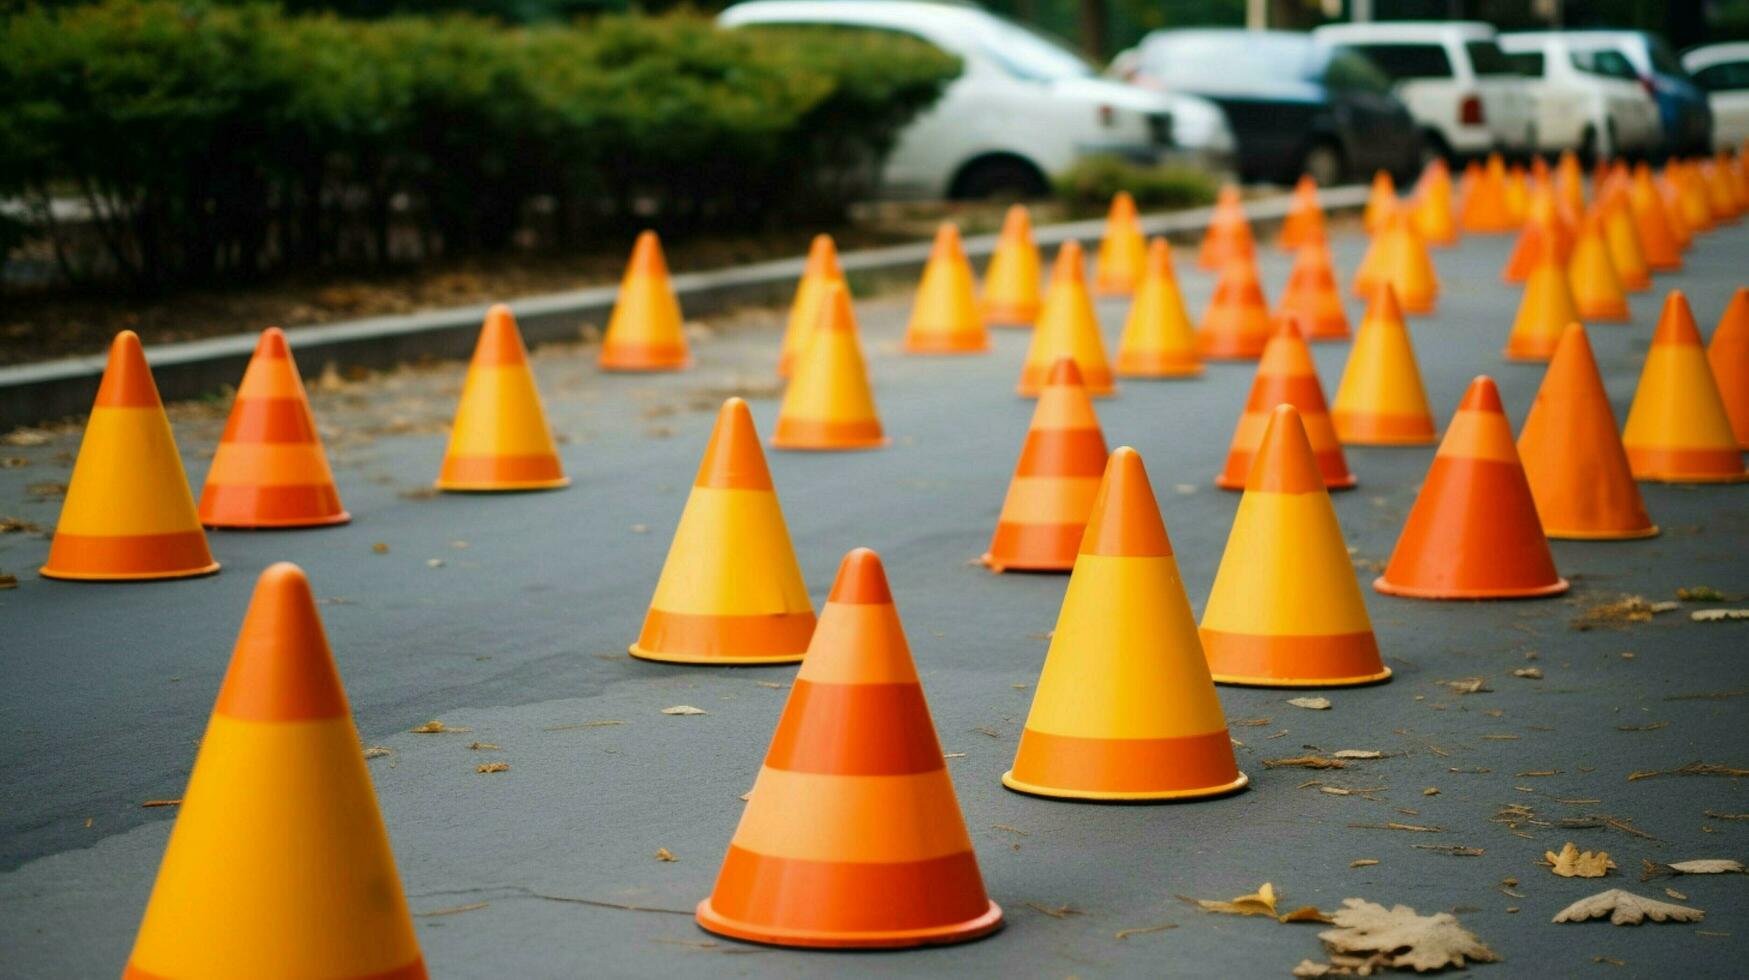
{"x":1589,"y":99}
{"x":1722,"y":71}
{"x":1023,"y":109}
{"x":1456,"y":81}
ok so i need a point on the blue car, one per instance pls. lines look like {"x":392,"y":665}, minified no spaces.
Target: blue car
{"x":1682,"y":105}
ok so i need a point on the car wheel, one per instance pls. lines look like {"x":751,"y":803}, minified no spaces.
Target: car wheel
{"x":998,"y":177}
{"x":1432,"y":147}
{"x":1588,"y":148}
{"x":1323,"y":161}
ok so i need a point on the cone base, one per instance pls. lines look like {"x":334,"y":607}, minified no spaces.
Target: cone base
{"x":1011,"y":316}
{"x":1024,"y":565}
{"x":1629,"y":534}
{"x":827,"y":447}
{"x":1613,"y":314}
{"x":1529,"y":356}
{"x":1348,"y":482}
{"x":711,"y":921}
{"x":512,"y":486}
{"x":289,"y":523}
{"x":1691,"y":477}
{"x":1237,"y":681}
{"x":1556,"y":587}
{"x":661,"y":656}
{"x":72,"y":576}
{"x":1118,"y":796}
{"x":644,"y":368}
{"x":1383,"y":430}
{"x":1145,"y":366}
{"x":945,"y":349}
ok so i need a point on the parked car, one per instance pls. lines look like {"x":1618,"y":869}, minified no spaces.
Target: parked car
{"x":1024,"y":108}
{"x":1722,"y":71}
{"x":1295,"y":105}
{"x":1588,"y":99}
{"x":1458,"y":84}
{"x":1682,"y":106}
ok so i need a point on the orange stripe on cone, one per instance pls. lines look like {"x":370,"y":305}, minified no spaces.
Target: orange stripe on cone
{"x":1228,"y":237}
{"x":1380,"y":401}
{"x":1067,"y":327}
{"x":1285,"y":375}
{"x":1304,"y":224}
{"x":945,"y":319}
{"x":128,"y":513}
{"x":1011,"y":283}
{"x":1678,"y":430}
{"x":1473,"y":532}
{"x":270,"y":470}
{"x":1158,"y":340}
{"x":1728,"y":355}
{"x":500,"y":440}
{"x":852,"y":836}
{"x":645,"y":333}
{"x":1236,"y":324}
{"x":1312,"y":296}
{"x":829,"y":404}
{"x":821,"y":270}
{"x":1120,"y":262}
{"x":1573,"y":455}
{"x":1054,"y":483}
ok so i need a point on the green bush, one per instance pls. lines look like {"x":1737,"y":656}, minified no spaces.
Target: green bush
{"x":213,"y":142}
{"x":1090,"y":184}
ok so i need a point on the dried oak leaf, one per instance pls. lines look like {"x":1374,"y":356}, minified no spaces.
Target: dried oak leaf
{"x":1718,"y":615}
{"x":1260,"y":902}
{"x":492,"y":767}
{"x":435,"y":727}
{"x":664,"y":854}
{"x":684,"y":709}
{"x":1402,"y":939}
{"x":1626,"y":909}
{"x":1574,"y":863}
{"x":1705,"y":866}
{"x":1311,"y":704}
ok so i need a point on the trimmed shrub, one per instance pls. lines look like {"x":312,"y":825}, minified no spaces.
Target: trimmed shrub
{"x":1090,"y":184}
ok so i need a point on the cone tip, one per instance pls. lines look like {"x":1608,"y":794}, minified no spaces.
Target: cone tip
{"x":1676,"y":322}
{"x":647,"y":256}
{"x":1284,"y":462}
{"x":127,"y":378}
{"x":272,"y":344}
{"x":1017,"y":222}
{"x":282,"y":669}
{"x":862,"y":580}
{"x":1125,"y":522}
{"x":836,"y":313}
{"x":1064,"y":371}
{"x":1482,"y":396}
{"x":1071,"y":262}
{"x":1287,"y":327}
{"x":732,"y":458}
{"x":947,"y":240}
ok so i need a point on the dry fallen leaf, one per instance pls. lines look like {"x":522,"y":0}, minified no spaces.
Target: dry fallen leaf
{"x":435,"y":727}
{"x":1701,"y":593}
{"x":381,"y":547}
{"x":684,"y":709}
{"x":1529,"y":673}
{"x":8,"y":581}
{"x":664,"y":854}
{"x":1626,"y":909}
{"x":1260,"y":902}
{"x":492,"y":767}
{"x":1363,"y":862}
{"x":1398,"y":937}
{"x":1574,"y":863}
{"x":1718,"y":615}
{"x":482,"y":746}
{"x":1468,"y":685}
{"x":1360,"y":754}
{"x":1305,"y":762}
{"x":1312,"y":704}
{"x":376,"y":751}
{"x":1706,"y":866}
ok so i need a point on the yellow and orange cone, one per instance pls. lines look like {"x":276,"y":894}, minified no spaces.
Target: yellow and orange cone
{"x":1120,"y":262}
{"x":731,"y":591}
{"x":1067,"y":327}
{"x":1312,"y":296}
{"x":852,"y":836}
{"x":1432,"y":208}
{"x":278,"y":865}
{"x":644,"y":333}
{"x":128,"y":513}
{"x":828,"y":403}
{"x":1381,"y":203}
{"x":1398,"y":256}
{"x":1658,"y":238}
{"x":822,"y":270}
{"x":1011,"y":283}
{"x":1236,"y":324}
{"x":1678,"y":430}
{"x":1228,"y":237}
{"x":500,"y":439}
{"x":1285,"y":375}
{"x":1623,"y":239}
{"x":1545,"y":309}
{"x":1158,"y":340}
{"x":1125,"y":708}
{"x":945,"y":318}
{"x":1304,"y":223}
{"x":1380,"y":401}
{"x":1055,"y":481}
{"x":1285,"y":609}
{"x":1597,"y":289}
{"x":1728,"y":355}
{"x":1486,"y":209}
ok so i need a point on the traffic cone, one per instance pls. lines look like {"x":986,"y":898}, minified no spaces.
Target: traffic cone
{"x":1120,"y":263}
{"x":1067,"y":327}
{"x":1432,"y":209}
{"x":1054,"y":482}
{"x":500,"y":439}
{"x":1569,"y":183}
{"x":1236,"y":324}
{"x":1380,"y":401}
{"x":644,"y":333}
{"x":1381,"y":203}
{"x":1124,"y":708}
{"x":1657,"y":238}
{"x":1545,"y":309}
{"x":1623,"y":240}
{"x":1517,"y":194}
{"x":1467,"y":184}
{"x":1728,"y":355}
{"x":1691,"y":197}
{"x":1312,"y":297}
{"x":1680,"y":225}
{"x":1285,"y":609}
{"x":1011,"y":283}
{"x":1404,"y":263}
{"x":1597,"y":290}
{"x":822,"y":270}
{"x":1572,"y":452}
{"x":731,"y":591}
{"x":1485,"y":208}
{"x":1473,"y":532}
{"x":1544,"y":221}
{"x":828,"y":403}
{"x":1158,"y":340}
{"x":1721,"y":192}
{"x":1285,"y":375}
{"x":269,"y":469}
{"x":1304,"y":224}
{"x":1678,"y":430}
{"x":128,"y":512}
{"x":278,"y":865}
{"x":945,"y":319}
{"x":852,"y":836}
{"x":1229,"y":233}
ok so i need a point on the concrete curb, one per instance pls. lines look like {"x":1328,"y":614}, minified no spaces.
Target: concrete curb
{"x":32,"y":393}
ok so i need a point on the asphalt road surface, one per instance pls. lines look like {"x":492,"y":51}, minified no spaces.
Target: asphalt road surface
{"x":509,"y":615}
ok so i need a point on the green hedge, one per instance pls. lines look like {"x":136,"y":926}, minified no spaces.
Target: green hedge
{"x":1090,"y":184}
{"x":222,"y":141}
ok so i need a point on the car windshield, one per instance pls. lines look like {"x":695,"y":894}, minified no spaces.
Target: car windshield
{"x":1405,"y":61}
{"x":1663,"y":60}
{"x":1528,"y":63}
{"x":1025,"y":53}
{"x":1205,"y":61}
{"x":1487,"y":58}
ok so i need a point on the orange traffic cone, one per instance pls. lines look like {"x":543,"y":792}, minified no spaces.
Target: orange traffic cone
{"x":644,"y":333}
{"x":1285,"y":609}
{"x":1158,"y":340}
{"x":1054,"y":482}
{"x":1544,"y":311}
{"x":1229,"y":233}
{"x":1432,"y":210}
{"x":1721,"y":192}
{"x":1485,"y":208}
{"x":852,"y":836}
{"x":1657,"y":237}
{"x":822,"y":270}
{"x":1380,"y":401}
{"x":1381,"y":203}
{"x":1597,"y":290}
{"x":1466,"y":185}
{"x":1569,"y":183}
{"x":1236,"y":324}
{"x":1678,"y":430}
{"x":270,"y":470}
{"x":1545,"y":221}
{"x":500,"y":439}
{"x":1011,"y":283}
{"x":1623,"y":240}
{"x":1124,"y":708}
{"x":1473,"y":532}
{"x":1572,"y":452}
{"x":1119,"y":264}
{"x":1285,"y":375}
{"x":1517,"y":194}
{"x":946,"y":318}
{"x":1728,"y":354}
{"x":278,"y":865}
{"x":1401,"y":259}
{"x":128,"y":513}
{"x":828,"y":403}
{"x":1067,"y":328}
{"x":731,"y":591}
{"x":1304,"y":224}
{"x":1690,"y":197}
{"x":1312,"y":297}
